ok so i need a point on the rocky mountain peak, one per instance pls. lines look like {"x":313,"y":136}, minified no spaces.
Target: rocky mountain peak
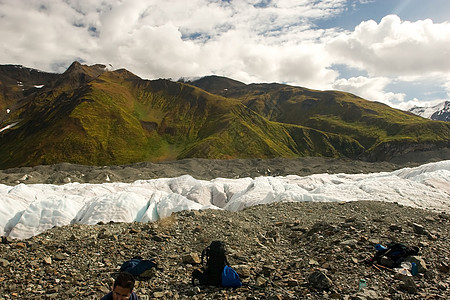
{"x":78,"y":74}
{"x":438,"y":112}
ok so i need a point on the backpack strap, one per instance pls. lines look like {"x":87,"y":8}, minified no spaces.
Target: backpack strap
{"x":197,"y":275}
{"x":205,"y":254}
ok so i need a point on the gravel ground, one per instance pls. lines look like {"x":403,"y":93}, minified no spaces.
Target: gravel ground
{"x":275,"y":248}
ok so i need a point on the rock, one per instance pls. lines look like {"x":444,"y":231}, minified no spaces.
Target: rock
{"x":4,"y":262}
{"x":47,"y":260}
{"x":419,"y":229}
{"x":291,"y":282}
{"x":61,"y":256}
{"x":442,"y":285}
{"x":21,"y":245}
{"x":261,"y":281}
{"x":351,"y":243}
{"x":335,"y":296}
{"x":423,"y":244}
{"x":319,"y":227}
{"x":431,"y":236}
{"x":408,"y":285}
{"x":373,"y":241}
{"x":193,"y":291}
{"x":267,"y":270}
{"x":191,"y":258}
{"x":366,"y":294}
{"x":313,"y":262}
{"x":319,"y":281}
{"x":326,"y":265}
{"x":243,"y":271}
{"x":395,"y":227}
{"x":387,"y":262}
{"x":7,"y":240}
{"x":444,"y":216}
{"x":299,"y":228}
{"x":158,"y":238}
{"x":430,"y":219}
{"x":402,"y":274}
{"x":444,"y":267}
{"x":421,"y":265}
{"x":158,"y":294}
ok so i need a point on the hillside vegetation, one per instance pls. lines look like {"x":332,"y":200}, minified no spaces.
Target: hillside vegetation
{"x":89,"y":115}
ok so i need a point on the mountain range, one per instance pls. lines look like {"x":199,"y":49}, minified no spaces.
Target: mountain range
{"x":94,"y":116}
{"x":438,"y":112}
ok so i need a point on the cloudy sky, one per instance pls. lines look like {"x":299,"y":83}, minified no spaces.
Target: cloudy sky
{"x":393,"y":51}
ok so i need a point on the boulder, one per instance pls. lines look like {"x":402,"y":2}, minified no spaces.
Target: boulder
{"x":319,"y":281}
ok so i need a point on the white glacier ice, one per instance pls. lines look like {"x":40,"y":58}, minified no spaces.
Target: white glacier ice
{"x":28,"y":210}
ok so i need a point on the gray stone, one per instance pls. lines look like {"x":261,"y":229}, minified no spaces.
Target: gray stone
{"x":421,"y":265}
{"x":442,"y":285}
{"x":419,"y":229}
{"x":395,"y":227}
{"x":4,"y":262}
{"x":319,"y":281}
{"x":444,"y":267}
{"x":261,"y":281}
{"x":351,"y":242}
{"x":243,"y":271}
{"x":366,"y":294}
{"x":60,"y":256}
{"x":267,"y":270}
{"x":158,"y":294}
{"x":408,"y":285}
{"x":47,"y":260}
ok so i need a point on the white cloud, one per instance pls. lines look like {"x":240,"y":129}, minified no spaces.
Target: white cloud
{"x":394,"y":47}
{"x":370,"y":89}
{"x":374,"y":89}
{"x":248,"y":40}
{"x":447,"y":87}
{"x":141,"y":35}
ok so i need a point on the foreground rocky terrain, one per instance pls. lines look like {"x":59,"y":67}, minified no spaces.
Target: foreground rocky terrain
{"x":275,"y":248}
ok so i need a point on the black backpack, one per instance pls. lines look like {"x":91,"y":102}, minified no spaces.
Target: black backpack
{"x":213,"y":261}
{"x":396,"y":253}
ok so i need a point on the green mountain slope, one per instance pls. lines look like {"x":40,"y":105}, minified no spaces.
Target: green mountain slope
{"x":383,"y":131}
{"x":89,"y":115}
{"x":17,"y":82}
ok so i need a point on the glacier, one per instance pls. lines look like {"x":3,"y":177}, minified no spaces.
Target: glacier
{"x":29,"y":209}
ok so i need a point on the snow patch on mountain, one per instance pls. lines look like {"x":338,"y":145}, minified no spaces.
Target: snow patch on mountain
{"x":439,"y":112}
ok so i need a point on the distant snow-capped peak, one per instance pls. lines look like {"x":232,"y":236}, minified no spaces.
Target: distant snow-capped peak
{"x":439,"y":112}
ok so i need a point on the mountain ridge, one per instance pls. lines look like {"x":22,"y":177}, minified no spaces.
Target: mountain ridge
{"x":91,"y":115}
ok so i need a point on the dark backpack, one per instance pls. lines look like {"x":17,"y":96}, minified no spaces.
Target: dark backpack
{"x":395,"y":253}
{"x":213,"y":261}
{"x":138,"y":267}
